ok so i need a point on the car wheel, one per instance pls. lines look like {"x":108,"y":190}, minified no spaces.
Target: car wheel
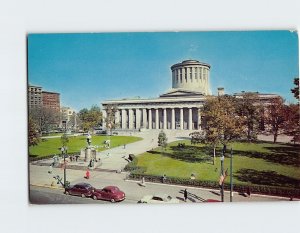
{"x":112,"y":200}
{"x":67,"y":193}
{"x":95,"y":197}
{"x":83,"y":195}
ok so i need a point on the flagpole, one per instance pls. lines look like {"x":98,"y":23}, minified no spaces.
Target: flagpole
{"x":231,"y":182}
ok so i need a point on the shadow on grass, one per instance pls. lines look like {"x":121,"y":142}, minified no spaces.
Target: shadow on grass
{"x":191,"y":154}
{"x":285,"y":155}
{"x":269,"y":178}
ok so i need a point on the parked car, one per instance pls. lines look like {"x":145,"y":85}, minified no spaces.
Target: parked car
{"x":212,"y":200}
{"x":158,"y":198}
{"x":80,"y":189}
{"x":109,"y":193}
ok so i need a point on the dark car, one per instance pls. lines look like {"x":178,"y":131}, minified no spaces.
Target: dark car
{"x":109,"y":193}
{"x":80,"y":189}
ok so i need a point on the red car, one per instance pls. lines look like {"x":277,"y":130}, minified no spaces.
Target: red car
{"x":80,"y":189}
{"x":109,"y":193}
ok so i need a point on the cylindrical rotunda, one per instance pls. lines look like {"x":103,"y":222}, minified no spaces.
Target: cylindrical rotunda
{"x":191,"y":75}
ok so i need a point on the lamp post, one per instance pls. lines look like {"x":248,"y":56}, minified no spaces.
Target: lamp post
{"x":64,"y":153}
{"x":231,"y":182}
{"x":222,"y":176}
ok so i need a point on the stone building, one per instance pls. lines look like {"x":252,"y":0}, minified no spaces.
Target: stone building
{"x":179,"y":108}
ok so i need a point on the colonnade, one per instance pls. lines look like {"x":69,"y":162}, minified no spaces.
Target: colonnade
{"x":182,"y":118}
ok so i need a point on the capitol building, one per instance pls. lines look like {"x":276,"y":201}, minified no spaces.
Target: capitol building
{"x":178,"y":109}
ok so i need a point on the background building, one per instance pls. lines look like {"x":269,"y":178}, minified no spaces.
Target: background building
{"x":51,"y":100}
{"x":179,"y":108}
{"x":34,"y":96}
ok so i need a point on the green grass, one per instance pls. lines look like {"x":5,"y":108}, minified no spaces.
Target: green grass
{"x":254,"y":163}
{"x":51,"y":146}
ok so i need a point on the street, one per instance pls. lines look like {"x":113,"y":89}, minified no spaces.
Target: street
{"x":41,"y":190}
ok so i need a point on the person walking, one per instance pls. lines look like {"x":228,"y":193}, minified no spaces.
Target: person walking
{"x":185,"y":194}
{"x":143,"y":182}
{"x":249,"y":192}
{"x":87,"y":174}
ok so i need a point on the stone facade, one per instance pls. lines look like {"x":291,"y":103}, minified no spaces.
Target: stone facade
{"x":178,"y":109}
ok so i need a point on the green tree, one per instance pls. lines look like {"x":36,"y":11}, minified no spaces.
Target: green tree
{"x":90,"y":118}
{"x":249,"y":109}
{"x":295,"y":90}
{"x":64,"y":139}
{"x":275,"y":117}
{"x":110,"y":117}
{"x":162,"y":140}
{"x":33,"y":134}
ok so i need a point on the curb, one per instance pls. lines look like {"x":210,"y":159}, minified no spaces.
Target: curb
{"x":47,"y":186}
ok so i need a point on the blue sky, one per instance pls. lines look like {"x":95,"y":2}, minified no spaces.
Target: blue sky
{"x":91,"y":67}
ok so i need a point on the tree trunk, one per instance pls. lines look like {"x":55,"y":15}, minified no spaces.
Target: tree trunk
{"x":275,"y":137}
{"x":214,"y":155}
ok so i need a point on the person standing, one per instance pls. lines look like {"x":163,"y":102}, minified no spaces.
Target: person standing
{"x":185,"y":194}
{"x":50,"y":169}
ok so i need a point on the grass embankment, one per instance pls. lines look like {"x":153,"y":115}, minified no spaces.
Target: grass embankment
{"x":52,"y":146}
{"x":257,"y":163}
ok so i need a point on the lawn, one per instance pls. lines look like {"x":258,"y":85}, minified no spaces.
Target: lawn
{"x":52,"y":146}
{"x":258,"y":163}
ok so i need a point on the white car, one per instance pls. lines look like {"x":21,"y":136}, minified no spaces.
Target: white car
{"x":159,"y":198}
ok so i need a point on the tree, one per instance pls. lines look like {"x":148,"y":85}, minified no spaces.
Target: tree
{"x":64,"y":140}
{"x":223,"y":124}
{"x":249,"y":109}
{"x":162,"y":140}
{"x":90,"y":118}
{"x":45,"y":118}
{"x":110,"y":117}
{"x":33,"y":135}
{"x":197,"y":137}
{"x":275,"y":117}
{"x":295,"y":90}
{"x":292,"y":124}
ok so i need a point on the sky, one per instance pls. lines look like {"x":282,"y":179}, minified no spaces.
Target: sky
{"x":91,"y":67}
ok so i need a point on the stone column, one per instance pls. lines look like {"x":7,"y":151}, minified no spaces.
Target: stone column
{"x":117,"y":119}
{"x":138,"y":118}
{"x":199,"y":119}
{"x":130,"y":120}
{"x":104,"y":115}
{"x":144,"y":118}
{"x":173,"y":118}
{"x":190,"y":118}
{"x":181,"y":118}
{"x":183,"y":75}
{"x":123,"y":116}
{"x":150,"y":119}
{"x":156,"y":119}
{"x":165,"y":119}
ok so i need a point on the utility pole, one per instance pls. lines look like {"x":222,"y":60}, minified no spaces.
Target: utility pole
{"x":231,"y":182}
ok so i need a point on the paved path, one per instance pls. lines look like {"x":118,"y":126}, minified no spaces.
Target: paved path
{"x":114,"y":158}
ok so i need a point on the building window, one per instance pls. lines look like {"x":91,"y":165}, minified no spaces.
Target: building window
{"x":181,"y":75}
{"x":185,"y":74}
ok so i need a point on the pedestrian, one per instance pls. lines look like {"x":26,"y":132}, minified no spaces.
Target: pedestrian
{"x":124,"y":146}
{"x":107,"y":154}
{"x":249,"y":191}
{"x":185,"y":194}
{"x":143,"y":183}
{"x":76,"y":157}
{"x":87,"y":174}
{"x":50,"y":169}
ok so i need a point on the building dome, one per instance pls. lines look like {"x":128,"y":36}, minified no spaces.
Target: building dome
{"x":191,"y":75}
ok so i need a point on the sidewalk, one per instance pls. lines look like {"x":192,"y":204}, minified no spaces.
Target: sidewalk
{"x":39,"y":176}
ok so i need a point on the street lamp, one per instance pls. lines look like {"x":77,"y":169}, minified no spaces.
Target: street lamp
{"x":64,"y":153}
{"x":222,"y":177}
{"x":231,"y":182}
